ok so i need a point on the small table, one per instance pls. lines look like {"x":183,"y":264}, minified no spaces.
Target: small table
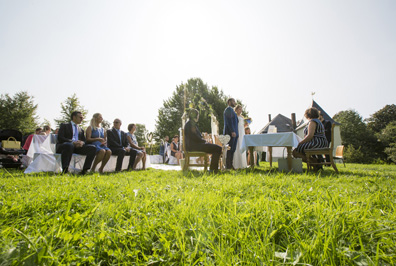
{"x":286,"y":139}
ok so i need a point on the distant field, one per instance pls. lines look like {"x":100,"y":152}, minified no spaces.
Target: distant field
{"x":155,"y":217}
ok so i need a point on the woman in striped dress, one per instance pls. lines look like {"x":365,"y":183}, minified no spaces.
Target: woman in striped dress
{"x":314,"y":135}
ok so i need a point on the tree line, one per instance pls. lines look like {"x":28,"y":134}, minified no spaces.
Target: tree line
{"x":371,"y":140}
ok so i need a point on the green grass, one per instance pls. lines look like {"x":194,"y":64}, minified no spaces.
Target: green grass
{"x":154,"y":217}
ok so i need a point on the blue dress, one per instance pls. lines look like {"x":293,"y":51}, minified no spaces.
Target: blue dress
{"x":98,"y":133}
{"x":318,"y":141}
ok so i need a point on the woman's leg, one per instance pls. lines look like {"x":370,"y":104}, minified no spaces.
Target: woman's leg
{"x":144,"y":160}
{"x":98,"y":158}
{"x":105,"y":160}
{"x":301,"y":155}
{"x":137,"y":160}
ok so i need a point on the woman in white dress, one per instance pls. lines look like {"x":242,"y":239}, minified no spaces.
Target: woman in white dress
{"x":239,"y":161}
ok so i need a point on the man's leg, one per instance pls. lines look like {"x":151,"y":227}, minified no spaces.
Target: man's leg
{"x":132,"y":156}
{"x":89,"y":151}
{"x":213,"y":149}
{"x":66,"y":151}
{"x":230,"y":152}
{"x":120,"y":158}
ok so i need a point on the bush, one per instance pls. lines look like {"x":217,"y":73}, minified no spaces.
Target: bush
{"x":353,"y":155}
{"x":391,"y":152}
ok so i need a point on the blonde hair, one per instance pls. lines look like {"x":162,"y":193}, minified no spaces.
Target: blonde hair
{"x":93,"y":121}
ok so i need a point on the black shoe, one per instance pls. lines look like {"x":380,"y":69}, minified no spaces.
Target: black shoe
{"x":83,"y":172}
{"x":216,"y":171}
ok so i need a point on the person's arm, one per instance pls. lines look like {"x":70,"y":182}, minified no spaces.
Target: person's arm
{"x":229,"y":121}
{"x":89,"y":136}
{"x":311,"y":132}
{"x":62,"y":134}
{"x":89,"y":132}
{"x":133,"y":145}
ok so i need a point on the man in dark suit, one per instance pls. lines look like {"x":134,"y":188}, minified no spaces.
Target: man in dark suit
{"x":71,"y":139}
{"x":118,"y":144}
{"x":231,"y":129}
{"x":195,"y":142}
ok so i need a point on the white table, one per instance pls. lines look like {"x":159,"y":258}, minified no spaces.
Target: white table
{"x":287,"y":139}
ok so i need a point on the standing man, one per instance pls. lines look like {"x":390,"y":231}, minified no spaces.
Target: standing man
{"x":71,"y":139}
{"x":118,"y":144}
{"x":231,"y":129}
{"x":195,"y":142}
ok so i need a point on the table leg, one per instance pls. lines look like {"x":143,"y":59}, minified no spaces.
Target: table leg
{"x":251,"y":157}
{"x":270,"y":155}
{"x":289,"y":158}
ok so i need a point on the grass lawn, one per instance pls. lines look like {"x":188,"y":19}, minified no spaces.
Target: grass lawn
{"x":155,"y":217}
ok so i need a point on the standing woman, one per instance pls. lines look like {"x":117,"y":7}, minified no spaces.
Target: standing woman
{"x":175,"y":150}
{"x":239,"y":160}
{"x":132,"y":142}
{"x":96,"y":135}
{"x":314,"y":135}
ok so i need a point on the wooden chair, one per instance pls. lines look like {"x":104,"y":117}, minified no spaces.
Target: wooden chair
{"x":322,"y":151}
{"x":340,"y":154}
{"x":189,"y":154}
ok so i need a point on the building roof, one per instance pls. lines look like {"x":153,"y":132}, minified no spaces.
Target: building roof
{"x":303,"y":121}
{"x":282,"y":123}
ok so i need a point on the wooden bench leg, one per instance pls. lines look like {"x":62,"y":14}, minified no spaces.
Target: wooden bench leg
{"x":333,"y":164}
{"x":186,"y":162}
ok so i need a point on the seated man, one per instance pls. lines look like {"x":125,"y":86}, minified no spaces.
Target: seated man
{"x":71,"y":139}
{"x":195,"y":142}
{"x":118,"y":144}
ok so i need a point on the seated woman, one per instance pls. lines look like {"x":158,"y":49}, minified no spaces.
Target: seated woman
{"x":96,"y":135}
{"x":175,"y":150}
{"x":314,"y":135}
{"x":133,"y":144}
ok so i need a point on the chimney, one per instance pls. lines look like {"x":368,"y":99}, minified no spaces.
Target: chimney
{"x":269,"y":117}
{"x":293,"y":118}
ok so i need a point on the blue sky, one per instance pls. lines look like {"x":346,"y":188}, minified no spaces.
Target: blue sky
{"x":124,"y":58}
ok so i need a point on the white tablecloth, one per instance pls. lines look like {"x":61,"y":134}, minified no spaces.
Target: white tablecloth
{"x":287,"y":139}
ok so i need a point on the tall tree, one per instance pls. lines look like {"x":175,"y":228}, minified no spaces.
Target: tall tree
{"x":140,"y":134}
{"x":18,"y":112}
{"x":380,"y":119}
{"x":355,"y":133}
{"x":70,"y":105}
{"x":193,"y":94}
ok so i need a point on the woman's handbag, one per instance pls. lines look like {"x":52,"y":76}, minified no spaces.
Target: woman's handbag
{"x":11,"y":143}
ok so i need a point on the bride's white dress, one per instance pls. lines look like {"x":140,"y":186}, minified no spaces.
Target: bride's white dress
{"x":240,"y":158}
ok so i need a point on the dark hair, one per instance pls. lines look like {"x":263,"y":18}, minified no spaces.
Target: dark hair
{"x":130,"y":126}
{"x":193,"y":113}
{"x":311,"y":113}
{"x":229,"y":100}
{"x":75,"y":113}
{"x":38,"y":129}
{"x":46,"y":128}
{"x":176,"y":136}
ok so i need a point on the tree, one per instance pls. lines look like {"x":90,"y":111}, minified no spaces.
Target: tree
{"x":387,"y":137}
{"x":355,"y":133}
{"x":140,"y":134}
{"x":18,"y":112}
{"x":380,"y":119}
{"x":194,"y":94}
{"x":391,"y":152}
{"x":70,"y":105}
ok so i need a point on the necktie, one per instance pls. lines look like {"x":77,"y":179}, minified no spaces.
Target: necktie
{"x":119,"y":134}
{"x":75,"y":138}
